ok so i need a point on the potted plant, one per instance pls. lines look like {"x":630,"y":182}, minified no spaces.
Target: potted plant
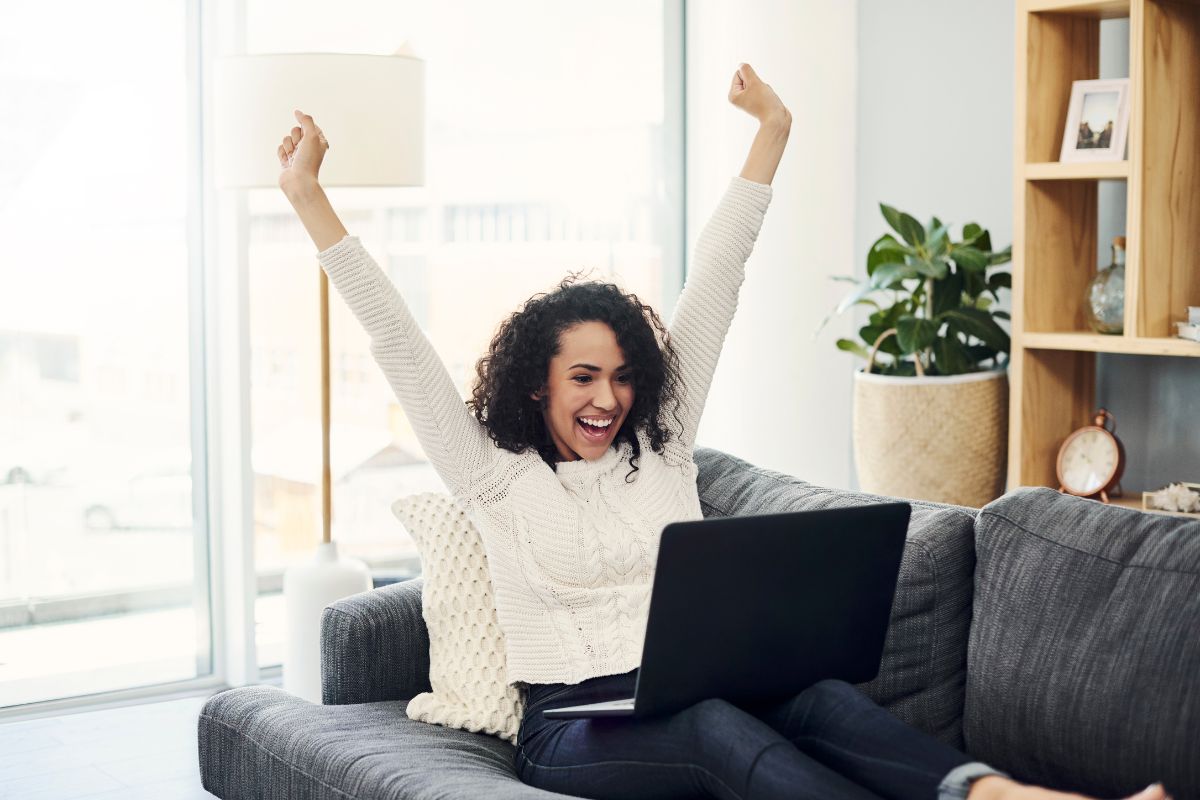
{"x":931,"y":404}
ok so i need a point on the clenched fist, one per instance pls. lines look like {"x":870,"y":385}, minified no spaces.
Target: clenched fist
{"x":758,"y":99}
{"x":300,"y":154}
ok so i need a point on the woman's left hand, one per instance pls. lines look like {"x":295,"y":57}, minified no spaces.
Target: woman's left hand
{"x":749,"y":93}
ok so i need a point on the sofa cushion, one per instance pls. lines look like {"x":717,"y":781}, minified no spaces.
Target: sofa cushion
{"x":260,"y":742}
{"x":922,"y":676}
{"x":468,"y":675}
{"x":1085,"y":647}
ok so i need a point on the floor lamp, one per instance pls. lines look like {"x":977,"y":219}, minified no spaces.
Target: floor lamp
{"x":372,"y":109}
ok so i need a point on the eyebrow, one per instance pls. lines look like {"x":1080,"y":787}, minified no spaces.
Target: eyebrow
{"x":594,"y":368}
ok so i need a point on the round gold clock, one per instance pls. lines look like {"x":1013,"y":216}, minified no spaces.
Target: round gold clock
{"x":1092,"y":459}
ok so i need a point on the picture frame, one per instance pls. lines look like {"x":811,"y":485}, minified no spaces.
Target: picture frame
{"x":1097,"y":125}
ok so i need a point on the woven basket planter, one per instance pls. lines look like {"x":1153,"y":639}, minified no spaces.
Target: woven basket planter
{"x":932,"y":438}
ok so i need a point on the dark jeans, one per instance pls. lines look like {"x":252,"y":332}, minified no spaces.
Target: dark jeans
{"x":826,"y":743}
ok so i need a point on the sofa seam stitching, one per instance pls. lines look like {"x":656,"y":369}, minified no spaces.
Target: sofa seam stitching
{"x":1096,"y":556}
{"x":933,"y":566}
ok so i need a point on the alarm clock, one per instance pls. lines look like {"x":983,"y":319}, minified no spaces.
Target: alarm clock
{"x":1091,"y":460}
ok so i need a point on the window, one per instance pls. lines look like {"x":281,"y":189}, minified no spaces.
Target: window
{"x":549,"y":150}
{"x":101,"y":587}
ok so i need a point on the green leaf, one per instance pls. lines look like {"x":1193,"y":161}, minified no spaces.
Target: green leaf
{"x":915,"y":333}
{"x":997,"y":281}
{"x":886,"y":318}
{"x":980,"y":353}
{"x":973,"y":284}
{"x":937,"y":241}
{"x":1001,"y":315}
{"x":970,"y":258}
{"x":950,"y":356}
{"x":980,"y":325}
{"x":911,"y":230}
{"x":851,"y":346}
{"x":1002,"y":257}
{"x":904,"y":224}
{"x":886,"y":275}
{"x":977,"y":237}
{"x":885,"y":249}
{"x":936,"y":268}
{"x":892,"y":216}
{"x":855,"y":297}
{"x":870,"y":333}
{"x":947,"y":293}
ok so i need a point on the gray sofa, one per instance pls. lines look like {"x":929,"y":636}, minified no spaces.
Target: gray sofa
{"x":1053,"y":637}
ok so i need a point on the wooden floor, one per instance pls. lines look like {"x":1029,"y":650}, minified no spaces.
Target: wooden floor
{"x":130,"y":753}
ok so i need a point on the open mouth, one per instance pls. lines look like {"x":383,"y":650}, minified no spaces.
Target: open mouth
{"x":595,"y":432}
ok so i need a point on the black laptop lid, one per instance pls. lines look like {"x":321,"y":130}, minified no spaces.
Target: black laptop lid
{"x":755,"y":607}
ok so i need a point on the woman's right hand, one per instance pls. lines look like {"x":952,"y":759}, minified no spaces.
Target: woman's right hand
{"x":300,"y":155}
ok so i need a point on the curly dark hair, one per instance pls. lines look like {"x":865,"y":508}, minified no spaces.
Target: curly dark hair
{"x":517,"y":363}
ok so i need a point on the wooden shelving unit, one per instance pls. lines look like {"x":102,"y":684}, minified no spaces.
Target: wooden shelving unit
{"x":1055,"y":220}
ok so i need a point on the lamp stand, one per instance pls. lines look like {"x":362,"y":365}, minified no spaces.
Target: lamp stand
{"x":326,"y":578}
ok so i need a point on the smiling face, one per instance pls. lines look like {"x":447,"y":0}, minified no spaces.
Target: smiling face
{"x":587,"y":380}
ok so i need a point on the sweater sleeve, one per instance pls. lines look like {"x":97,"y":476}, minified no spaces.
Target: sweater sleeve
{"x":455,"y":442}
{"x":709,"y":299}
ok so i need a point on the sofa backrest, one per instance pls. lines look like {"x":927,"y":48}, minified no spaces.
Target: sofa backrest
{"x":923,"y":674}
{"x":1084,"y":659}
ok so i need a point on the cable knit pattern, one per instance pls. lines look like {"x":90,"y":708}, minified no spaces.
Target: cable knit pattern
{"x":571,"y":550}
{"x":467,"y":672}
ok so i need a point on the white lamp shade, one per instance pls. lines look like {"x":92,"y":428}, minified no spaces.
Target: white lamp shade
{"x":371,"y":109}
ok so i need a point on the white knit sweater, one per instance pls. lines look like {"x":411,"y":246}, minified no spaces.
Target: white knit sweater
{"x":571,"y":550}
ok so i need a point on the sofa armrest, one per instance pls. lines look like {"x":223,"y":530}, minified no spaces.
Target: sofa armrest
{"x":374,"y":646}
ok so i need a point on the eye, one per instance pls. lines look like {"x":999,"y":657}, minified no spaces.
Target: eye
{"x":582,"y":377}
{"x":626,"y":378}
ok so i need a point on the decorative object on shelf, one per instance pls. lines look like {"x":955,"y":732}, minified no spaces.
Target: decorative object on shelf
{"x":1092,"y":459}
{"x":1177,"y":498}
{"x":1106,"y":293}
{"x":931,"y":421}
{"x":1097,"y":121}
{"x":1191,"y":328}
{"x":255,"y":97}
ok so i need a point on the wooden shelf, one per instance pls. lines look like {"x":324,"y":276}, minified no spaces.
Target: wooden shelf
{"x":1056,"y":219}
{"x":1094,"y":9}
{"x":1095,"y":170}
{"x":1099,"y":343}
{"x":1136,"y":504}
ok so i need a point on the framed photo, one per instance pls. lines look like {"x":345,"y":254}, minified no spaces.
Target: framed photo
{"x":1097,"y":121}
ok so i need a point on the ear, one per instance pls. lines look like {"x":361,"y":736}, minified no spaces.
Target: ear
{"x":538,"y":394}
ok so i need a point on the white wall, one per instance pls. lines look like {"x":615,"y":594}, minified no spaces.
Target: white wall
{"x":935,"y":114}
{"x":780,"y":399}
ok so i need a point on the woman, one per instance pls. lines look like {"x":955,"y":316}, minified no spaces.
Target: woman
{"x":572,"y":454}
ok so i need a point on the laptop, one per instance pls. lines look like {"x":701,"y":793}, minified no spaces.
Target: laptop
{"x":755,"y":608}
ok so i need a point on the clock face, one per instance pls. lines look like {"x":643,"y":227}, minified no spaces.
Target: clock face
{"x":1088,"y":462}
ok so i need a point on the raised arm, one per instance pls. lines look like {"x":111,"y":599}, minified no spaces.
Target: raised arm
{"x":709,"y":299}
{"x":455,"y":442}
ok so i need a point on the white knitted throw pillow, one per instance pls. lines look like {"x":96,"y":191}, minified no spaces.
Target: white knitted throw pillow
{"x":467,"y":669}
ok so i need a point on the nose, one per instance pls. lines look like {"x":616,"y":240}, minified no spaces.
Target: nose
{"x":604,"y":398}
